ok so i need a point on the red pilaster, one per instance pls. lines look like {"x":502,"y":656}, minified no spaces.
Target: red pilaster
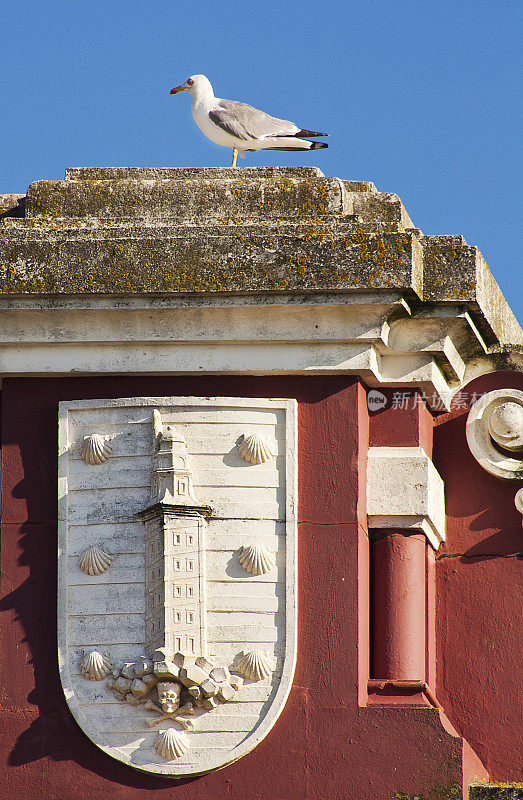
{"x":399,"y":604}
{"x":402,"y":579}
{"x":408,"y":426}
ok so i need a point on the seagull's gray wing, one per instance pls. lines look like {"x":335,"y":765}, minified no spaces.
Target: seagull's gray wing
{"x":246,"y":122}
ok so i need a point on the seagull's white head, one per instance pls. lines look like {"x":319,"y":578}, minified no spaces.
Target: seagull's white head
{"x":196,"y":84}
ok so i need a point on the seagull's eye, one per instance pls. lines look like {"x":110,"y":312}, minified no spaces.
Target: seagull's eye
{"x":190,"y":81}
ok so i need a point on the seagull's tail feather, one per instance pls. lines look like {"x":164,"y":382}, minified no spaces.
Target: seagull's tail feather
{"x":304,"y":145}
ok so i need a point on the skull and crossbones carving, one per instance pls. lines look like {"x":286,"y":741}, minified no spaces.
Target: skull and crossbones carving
{"x":169,"y":697}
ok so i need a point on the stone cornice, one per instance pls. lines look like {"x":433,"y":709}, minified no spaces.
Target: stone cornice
{"x":246,"y":270}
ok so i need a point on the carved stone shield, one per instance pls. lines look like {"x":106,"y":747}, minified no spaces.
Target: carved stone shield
{"x":177,"y":575}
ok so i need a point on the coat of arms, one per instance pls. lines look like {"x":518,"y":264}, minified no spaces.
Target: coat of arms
{"x":177,"y":575}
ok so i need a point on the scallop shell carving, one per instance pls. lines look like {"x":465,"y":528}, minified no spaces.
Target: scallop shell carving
{"x":256,"y":559}
{"x":94,"y":561}
{"x":95,"y":666}
{"x":255,"y":665}
{"x":255,"y":449}
{"x":172,"y":744}
{"x":95,"y":449}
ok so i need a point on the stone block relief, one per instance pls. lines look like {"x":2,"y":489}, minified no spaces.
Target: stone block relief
{"x":212,"y":630}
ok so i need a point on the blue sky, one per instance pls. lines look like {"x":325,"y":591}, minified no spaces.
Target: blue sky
{"x":423,"y":98}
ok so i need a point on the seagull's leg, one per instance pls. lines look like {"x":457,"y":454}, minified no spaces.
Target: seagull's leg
{"x":234,"y":156}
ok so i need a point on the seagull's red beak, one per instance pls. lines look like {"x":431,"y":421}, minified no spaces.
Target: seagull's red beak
{"x":177,"y":89}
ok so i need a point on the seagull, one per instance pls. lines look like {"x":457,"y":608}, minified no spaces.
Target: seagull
{"x":242,"y":127}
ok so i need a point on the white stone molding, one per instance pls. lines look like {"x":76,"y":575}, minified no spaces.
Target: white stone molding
{"x":404,"y":490}
{"x":377,"y":335}
{"x":495,"y":433}
{"x":176,"y":473}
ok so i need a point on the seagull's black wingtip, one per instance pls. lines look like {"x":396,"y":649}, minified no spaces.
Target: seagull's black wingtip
{"x":309,"y":133}
{"x":317,"y":145}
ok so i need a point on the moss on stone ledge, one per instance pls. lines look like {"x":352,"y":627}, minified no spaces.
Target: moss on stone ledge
{"x":161,"y":230}
{"x":496,"y":791}
{"x":202,"y":263}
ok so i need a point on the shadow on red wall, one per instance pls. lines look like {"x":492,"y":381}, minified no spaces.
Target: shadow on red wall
{"x":478,"y":591}
{"x":39,"y":718}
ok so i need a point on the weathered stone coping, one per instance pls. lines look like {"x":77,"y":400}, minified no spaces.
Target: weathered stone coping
{"x":496,"y":791}
{"x":191,"y":231}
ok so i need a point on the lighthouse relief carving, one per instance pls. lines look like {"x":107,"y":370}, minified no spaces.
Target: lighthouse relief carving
{"x":175,"y":607}
{"x":177,"y":575}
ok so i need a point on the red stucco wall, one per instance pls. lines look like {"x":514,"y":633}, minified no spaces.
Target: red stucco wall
{"x":325,"y":744}
{"x":479,"y":590}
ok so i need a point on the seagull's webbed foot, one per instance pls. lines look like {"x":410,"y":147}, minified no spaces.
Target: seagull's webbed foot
{"x":234,"y":157}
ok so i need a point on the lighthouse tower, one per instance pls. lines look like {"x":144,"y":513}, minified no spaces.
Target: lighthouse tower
{"x":175,"y":607}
